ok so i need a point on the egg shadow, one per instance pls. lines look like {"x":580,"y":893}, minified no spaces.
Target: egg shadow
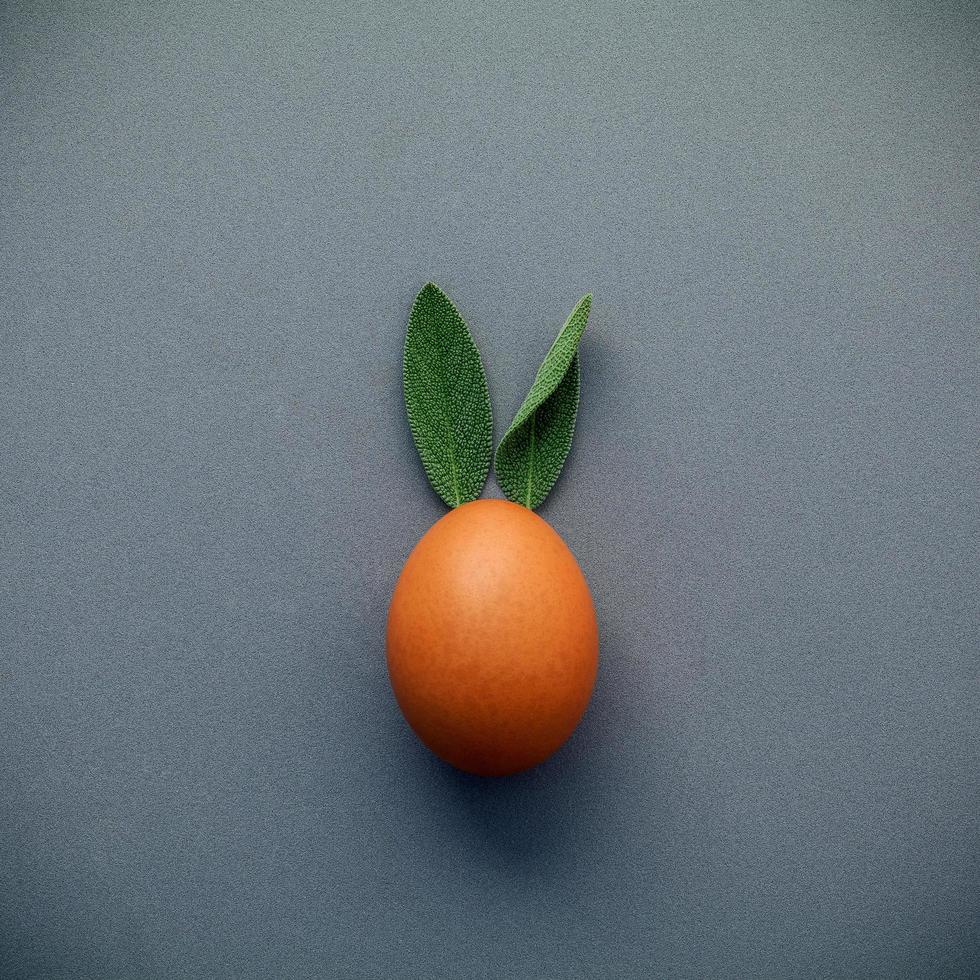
{"x":536,"y":823}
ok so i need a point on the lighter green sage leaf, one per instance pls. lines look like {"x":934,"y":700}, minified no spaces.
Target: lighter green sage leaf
{"x":533,"y":450}
{"x":446,"y":398}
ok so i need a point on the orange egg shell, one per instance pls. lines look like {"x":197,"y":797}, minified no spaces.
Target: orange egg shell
{"x":492,"y":639}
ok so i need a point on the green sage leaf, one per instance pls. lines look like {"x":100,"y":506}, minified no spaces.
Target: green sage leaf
{"x":446,"y":398}
{"x":533,"y":450}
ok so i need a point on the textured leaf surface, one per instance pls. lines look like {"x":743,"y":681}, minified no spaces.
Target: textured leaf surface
{"x":531,"y":454}
{"x":446,"y":398}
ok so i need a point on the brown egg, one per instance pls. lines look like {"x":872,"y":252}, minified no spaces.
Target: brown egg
{"x":492,"y":639}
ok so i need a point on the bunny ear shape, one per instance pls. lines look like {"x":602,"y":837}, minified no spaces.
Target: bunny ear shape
{"x":446,"y":398}
{"x":532,"y":453}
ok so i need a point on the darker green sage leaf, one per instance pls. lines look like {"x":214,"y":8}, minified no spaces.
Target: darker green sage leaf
{"x":532,"y":452}
{"x":446,"y":398}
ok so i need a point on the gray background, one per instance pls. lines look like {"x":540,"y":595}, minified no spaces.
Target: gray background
{"x":214,"y":219}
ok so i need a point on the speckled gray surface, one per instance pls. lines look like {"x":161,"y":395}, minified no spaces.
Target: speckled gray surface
{"x":214,"y":219}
